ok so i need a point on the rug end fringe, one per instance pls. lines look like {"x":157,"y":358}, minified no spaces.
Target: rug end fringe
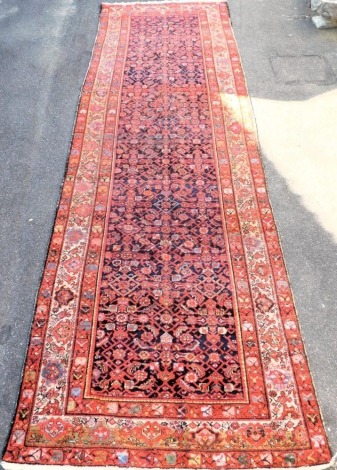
{"x":332,"y":465}
{"x":157,"y":2}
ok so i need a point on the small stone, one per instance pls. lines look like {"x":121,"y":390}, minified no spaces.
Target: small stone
{"x":290,"y":459}
{"x":327,"y":13}
{"x":321,"y":22}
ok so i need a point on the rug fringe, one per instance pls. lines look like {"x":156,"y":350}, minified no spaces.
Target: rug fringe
{"x":332,"y":465}
{"x":158,"y":2}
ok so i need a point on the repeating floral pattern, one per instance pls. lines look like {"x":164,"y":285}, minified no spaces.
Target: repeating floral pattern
{"x":165,"y":333}
{"x":165,"y":319}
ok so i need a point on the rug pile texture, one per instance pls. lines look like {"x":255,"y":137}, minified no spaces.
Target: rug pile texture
{"x":165,"y":334}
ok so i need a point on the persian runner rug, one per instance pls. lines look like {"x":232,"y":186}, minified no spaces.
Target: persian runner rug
{"x":165,"y":334}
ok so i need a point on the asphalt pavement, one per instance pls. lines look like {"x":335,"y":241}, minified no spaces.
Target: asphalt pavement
{"x":291,"y":70}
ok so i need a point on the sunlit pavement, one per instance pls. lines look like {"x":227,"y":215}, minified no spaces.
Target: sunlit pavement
{"x":291,"y":70}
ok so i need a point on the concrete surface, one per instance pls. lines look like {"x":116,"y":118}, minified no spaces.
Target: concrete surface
{"x":45,"y":52}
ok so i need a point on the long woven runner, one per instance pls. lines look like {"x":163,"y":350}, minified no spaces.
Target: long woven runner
{"x":165,"y":334}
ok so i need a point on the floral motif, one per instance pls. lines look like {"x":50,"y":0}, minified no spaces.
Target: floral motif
{"x":264,"y":304}
{"x":64,"y":296}
{"x":52,"y":372}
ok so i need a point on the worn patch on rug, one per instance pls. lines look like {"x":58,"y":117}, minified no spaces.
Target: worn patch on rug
{"x":165,"y":334}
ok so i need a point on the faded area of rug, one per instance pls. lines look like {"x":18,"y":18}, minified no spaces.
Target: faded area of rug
{"x":165,"y":334}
